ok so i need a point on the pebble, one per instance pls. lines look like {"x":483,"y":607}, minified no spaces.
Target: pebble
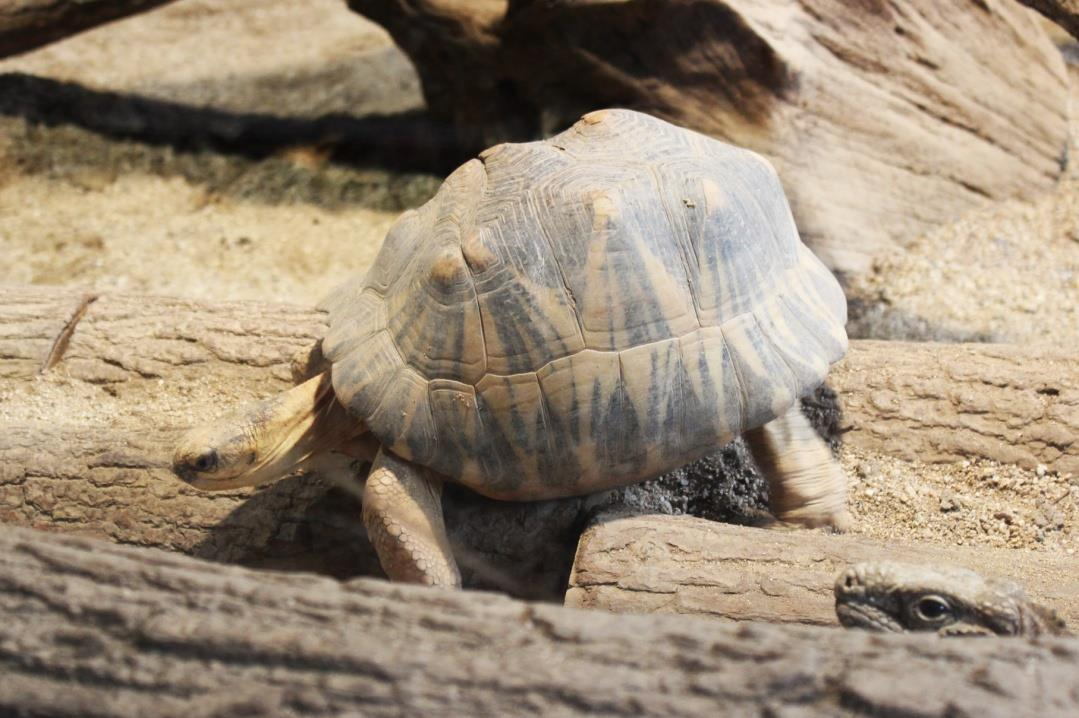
{"x":1040,"y":470}
{"x":868,"y":469}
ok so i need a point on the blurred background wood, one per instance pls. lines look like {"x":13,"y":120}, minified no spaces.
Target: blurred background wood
{"x":29,"y":24}
{"x":883,"y":119}
{"x":1063,"y":12}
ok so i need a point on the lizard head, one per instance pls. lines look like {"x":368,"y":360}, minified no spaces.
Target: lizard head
{"x":947,"y":600}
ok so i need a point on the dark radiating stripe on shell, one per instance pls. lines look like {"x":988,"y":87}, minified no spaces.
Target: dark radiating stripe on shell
{"x":461,"y":449}
{"x":436,"y":321}
{"x":713,"y":401}
{"x":405,"y":423}
{"x":518,"y":407}
{"x":503,"y":473}
{"x":364,"y":376}
{"x":653,"y":380}
{"x":767,"y":384}
{"x":528,"y":315}
{"x":582,"y":389}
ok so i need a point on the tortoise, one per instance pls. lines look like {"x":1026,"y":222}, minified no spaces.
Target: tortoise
{"x":563,"y":317}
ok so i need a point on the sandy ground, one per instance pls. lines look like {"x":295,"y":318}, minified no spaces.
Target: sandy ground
{"x":970,"y":503}
{"x":1005,"y":273}
{"x":79,"y":208}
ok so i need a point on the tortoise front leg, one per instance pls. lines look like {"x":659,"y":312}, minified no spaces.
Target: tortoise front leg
{"x":402,"y":510}
{"x":808,"y":486}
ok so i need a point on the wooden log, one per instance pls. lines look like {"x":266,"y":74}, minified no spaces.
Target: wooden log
{"x":96,"y":629}
{"x":682,"y":564}
{"x":85,"y":445}
{"x":884,"y":120}
{"x":29,"y":24}
{"x":1016,"y":404}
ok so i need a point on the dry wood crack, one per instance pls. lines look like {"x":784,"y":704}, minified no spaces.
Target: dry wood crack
{"x":59,"y":345}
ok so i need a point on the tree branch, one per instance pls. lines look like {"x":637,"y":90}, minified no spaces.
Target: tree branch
{"x":1063,"y":12}
{"x":29,"y":24}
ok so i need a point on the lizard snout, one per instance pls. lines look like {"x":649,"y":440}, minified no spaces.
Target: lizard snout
{"x":850,"y":582}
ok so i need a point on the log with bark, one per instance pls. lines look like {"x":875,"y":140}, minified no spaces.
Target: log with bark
{"x":94,"y":390}
{"x":883,"y":119}
{"x":28,"y":24}
{"x":683,"y":564}
{"x":103,"y":630}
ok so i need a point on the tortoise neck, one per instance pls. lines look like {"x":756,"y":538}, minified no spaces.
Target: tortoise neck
{"x":302,"y":422}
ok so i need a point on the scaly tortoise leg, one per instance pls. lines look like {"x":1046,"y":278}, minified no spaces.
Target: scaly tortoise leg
{"x":808,"y":486}
{"x":402,"y":510}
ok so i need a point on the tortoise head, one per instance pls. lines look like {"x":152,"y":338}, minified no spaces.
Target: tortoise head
{"x":264,"y":441}
{"x":228,"y":453}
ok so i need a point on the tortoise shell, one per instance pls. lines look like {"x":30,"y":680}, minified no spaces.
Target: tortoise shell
{"x":586,"y":312}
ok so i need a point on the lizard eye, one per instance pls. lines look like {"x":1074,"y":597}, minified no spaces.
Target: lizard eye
{"x":206,"y":461}
{"x":932,"y":608}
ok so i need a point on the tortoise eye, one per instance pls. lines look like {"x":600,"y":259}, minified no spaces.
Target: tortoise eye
{"x":206,"y":461}
{"x":932,"y":608}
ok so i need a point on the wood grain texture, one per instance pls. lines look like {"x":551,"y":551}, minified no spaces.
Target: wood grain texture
{"x":29,"y":24}
{"x":883,"y":119}
{"x":85,"y":447}
{"x":569,"y":275}
{"x":36,"y":320}
{"x":1017,"y":404}
{"x":120,"y":631}
{"x":682,"y":564}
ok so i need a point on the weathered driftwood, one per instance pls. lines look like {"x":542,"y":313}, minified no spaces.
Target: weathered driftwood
{"x":681,"y":564}
{"x":96,"y":629}
{"x":1063,"y":12}
{"x":28,"y":24}
{"x":85,"y":445}
{"x":883,"y":119}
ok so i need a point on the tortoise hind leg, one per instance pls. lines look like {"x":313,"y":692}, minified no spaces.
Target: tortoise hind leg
{"x":807,"y":485}
{"x":402,"y":510}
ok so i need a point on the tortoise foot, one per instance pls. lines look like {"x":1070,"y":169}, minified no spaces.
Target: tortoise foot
{"x":807,"y":486}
